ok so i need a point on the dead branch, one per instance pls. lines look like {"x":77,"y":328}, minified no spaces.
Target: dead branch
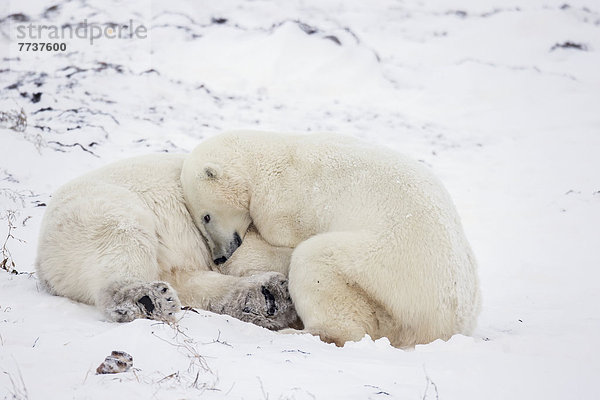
{"x":17,"y":121}
{"x":218,"y":340}
{"x":7,"y":262}
{"x":265,"y":394}
{"x":428,"y":383}
{"x":18,"y":389}
{"x":192,"y":376}
{"x":14,"y":120}
{"x":16,"y":196}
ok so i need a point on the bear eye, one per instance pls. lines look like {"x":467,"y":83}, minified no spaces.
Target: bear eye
{"x":206,"y":219}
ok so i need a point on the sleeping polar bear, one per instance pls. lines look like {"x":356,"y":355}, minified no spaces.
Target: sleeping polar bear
{"x":121,"y":238}
{"x":378,"y":245}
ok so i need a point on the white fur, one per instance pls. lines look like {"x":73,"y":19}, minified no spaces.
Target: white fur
{"x":378,"y":245}
{"x":121,"y":236}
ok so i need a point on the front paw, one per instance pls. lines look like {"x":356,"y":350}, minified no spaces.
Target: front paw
{"x":263,"y":300}
{"x":159,"y":302}
{"x":154,"y":300}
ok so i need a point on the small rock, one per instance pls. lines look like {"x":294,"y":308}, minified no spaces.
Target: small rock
{"x":218,"y":20}
{"x":117,"y":362}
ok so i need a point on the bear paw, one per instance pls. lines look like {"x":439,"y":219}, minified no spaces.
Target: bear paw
{"x":125,"y":302}
{"x":263,"y":300}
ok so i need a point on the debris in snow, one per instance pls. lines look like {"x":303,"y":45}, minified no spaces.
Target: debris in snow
{"x":8,"y":263}
{"x":569,"y":45}
{"x":15,"y":120}
{"x":117,"y":362}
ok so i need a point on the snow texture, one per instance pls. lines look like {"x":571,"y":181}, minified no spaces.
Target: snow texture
{"x":500,"y":98}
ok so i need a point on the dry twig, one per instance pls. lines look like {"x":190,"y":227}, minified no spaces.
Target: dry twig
{"x":197,"y":363}
{"x":8,"y":263}
{"x":14,"y":120}
{"x":18,"y":389}
{"x":428,"y":383}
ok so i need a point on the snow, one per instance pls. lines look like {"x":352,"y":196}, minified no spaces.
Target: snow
{"x":478,"y":90}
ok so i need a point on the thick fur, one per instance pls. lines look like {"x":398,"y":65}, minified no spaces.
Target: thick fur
{"x":378,"y":245}
{"x":121,"y":238}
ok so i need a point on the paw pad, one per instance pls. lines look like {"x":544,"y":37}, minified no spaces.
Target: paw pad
{"x":269,"y":301}
{"x":147,"y":303}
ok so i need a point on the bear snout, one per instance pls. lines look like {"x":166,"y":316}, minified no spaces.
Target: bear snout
{"x":220,"y":260}
{"x":231,"y":248}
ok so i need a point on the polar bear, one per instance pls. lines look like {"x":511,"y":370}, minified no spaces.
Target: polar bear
{"x":121,"y":238}
{"x":378,"y":245}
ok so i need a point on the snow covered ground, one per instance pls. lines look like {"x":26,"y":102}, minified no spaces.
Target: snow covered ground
{"x":501,"y":99}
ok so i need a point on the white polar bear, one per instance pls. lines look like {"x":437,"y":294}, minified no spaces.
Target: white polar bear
{"x":378,"y":245}
{"x":121,"y":238}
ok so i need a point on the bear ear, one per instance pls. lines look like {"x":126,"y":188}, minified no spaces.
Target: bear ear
{"x":211,"y":171}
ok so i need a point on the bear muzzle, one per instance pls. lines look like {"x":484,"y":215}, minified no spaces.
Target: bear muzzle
{"x":230,"y":249}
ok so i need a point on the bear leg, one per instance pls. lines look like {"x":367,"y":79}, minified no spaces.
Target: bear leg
{"x":329,"y":284}
{"x":262,"y":299}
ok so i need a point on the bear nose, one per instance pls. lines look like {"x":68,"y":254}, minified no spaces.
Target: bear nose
{"x":220,"y":260}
